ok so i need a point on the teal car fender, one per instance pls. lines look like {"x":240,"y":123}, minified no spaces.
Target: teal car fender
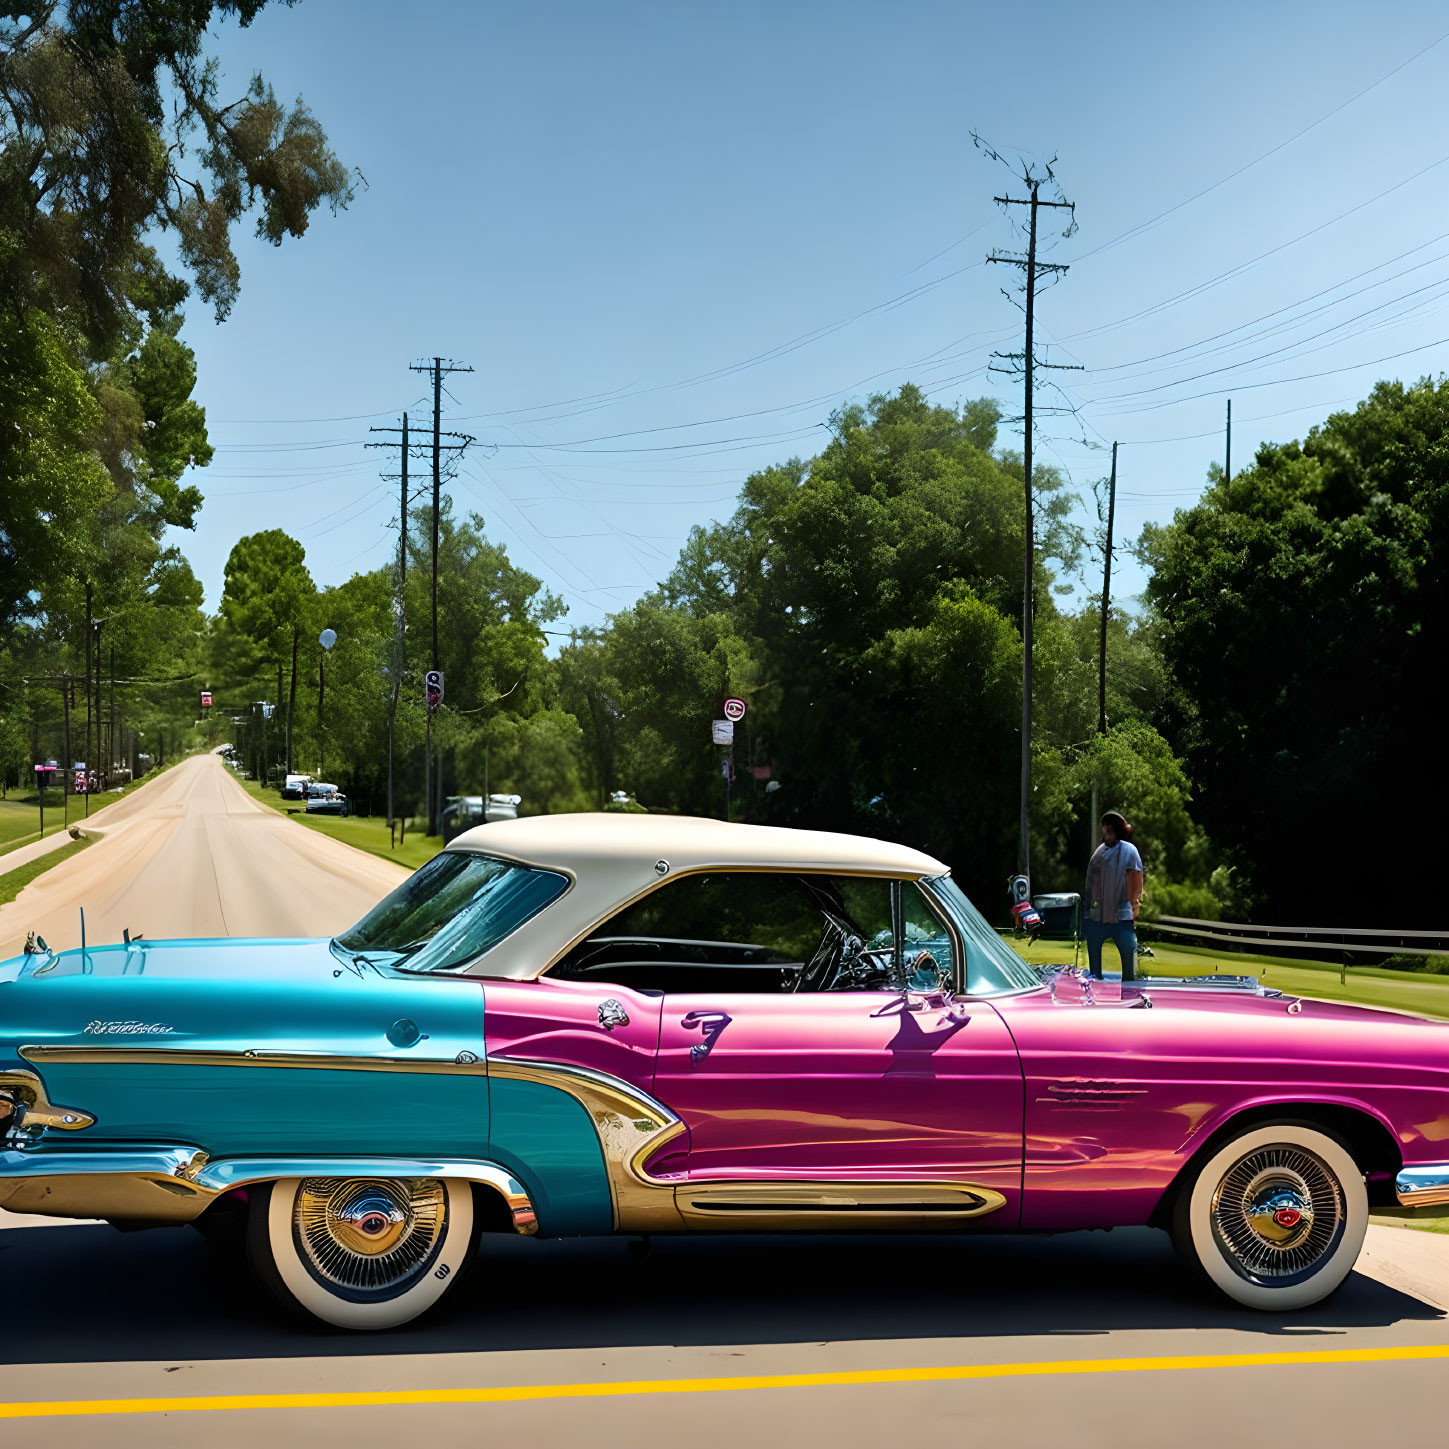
{"x":203,"y":1065}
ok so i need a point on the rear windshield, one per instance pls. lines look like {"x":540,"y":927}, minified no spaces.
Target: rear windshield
{"x":459,"y":905}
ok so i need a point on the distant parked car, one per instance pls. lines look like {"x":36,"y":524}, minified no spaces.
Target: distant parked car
{"x":463,"y":812}
{"x":294,"y":787}
{"x":325,"y":799}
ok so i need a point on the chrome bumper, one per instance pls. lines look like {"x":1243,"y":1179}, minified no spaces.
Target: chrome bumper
{"x":175,"y":1184}
{"x":1423,"y":1186}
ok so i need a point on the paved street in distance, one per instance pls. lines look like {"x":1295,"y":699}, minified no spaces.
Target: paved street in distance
{"x":192,"y":854}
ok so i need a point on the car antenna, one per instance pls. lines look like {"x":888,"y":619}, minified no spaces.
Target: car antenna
{"x":85,"y":960}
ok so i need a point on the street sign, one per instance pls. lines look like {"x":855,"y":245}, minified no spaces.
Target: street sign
{"x":722,"y":731}
{"x":206,"y":699}
{"x":433,"y":687}
{"x":734,"y":710}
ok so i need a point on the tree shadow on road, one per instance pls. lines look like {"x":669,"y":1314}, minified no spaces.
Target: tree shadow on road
{"x":89,"y":1294}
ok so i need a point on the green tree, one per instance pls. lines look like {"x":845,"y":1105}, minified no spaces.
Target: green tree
{"x":850,"y":579}
{"x":113,"y":134}
{"x":270,"y":599}
{"x":1304,"y":610}
{"x":111,"y":128}
{"x":52,"y":482}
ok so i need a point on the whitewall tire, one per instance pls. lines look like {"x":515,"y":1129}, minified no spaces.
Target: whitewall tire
{"x":361,"y":1253}
{"x":1274,"y":1218}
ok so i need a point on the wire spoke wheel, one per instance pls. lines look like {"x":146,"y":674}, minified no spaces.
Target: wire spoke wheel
{"x":364,"y":1237}
{"x":361,"y":1252}
{"x":1277,"y":1214}
{"x":1274,"y":1217}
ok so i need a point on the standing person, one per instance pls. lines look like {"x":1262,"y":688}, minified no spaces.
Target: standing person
{"x":1114,"y":894}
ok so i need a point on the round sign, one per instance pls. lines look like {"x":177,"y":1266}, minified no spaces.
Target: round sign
{"x":327,"y":638}
{"x":734,"y":709}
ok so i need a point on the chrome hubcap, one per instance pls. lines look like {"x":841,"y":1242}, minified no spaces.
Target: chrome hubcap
{"x":1277,"y":1214}
{"x":368,"y":1235}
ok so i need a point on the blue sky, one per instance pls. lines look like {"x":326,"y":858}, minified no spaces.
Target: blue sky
{"x":664,"y":210}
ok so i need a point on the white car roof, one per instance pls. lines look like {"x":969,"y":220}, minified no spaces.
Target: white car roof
{"x":614,"y":858}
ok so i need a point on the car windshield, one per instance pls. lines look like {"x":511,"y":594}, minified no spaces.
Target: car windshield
{"x":459,"y":905}
{"x":992,"y":967}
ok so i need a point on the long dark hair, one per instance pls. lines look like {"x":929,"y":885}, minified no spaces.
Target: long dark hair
{"x":1119,"y":823}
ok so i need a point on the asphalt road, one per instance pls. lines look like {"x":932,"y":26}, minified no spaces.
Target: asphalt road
{"x":1066,"y":1334}
{"x":1072,"y":1342}
{"x":192,"y":854}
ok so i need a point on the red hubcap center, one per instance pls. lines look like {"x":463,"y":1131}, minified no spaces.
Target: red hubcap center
{"x":1287,"y":1217}
{"x":375,"y":1223}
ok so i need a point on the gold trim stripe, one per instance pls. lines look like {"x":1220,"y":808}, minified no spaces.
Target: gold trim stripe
{"x":533,"y":1393}
{"x":187,"y":1057}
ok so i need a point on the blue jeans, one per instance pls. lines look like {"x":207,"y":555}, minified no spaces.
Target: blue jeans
{"x":1123,"y":934}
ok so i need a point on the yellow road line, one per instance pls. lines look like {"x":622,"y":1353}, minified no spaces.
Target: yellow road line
{"x":520,"y":1394}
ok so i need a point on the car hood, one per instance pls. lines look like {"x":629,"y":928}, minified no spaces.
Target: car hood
{"x":299,"y":959}
{"x":1217,"y":996}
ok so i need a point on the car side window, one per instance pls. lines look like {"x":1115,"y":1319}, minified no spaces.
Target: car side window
{"x":926,"y":936}
{"x":742,"y":931}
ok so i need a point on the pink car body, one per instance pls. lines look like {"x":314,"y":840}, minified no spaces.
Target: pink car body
{"x":1080,"y":1102}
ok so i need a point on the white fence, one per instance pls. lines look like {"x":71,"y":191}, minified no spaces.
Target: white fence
{"x":1298,"y":940}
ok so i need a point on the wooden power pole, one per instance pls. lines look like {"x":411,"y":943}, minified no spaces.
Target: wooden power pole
{"x":405,"y":443}
{"x":439,"y":369}
{"x":1106,"y":600}
{"x":1025,"y":363}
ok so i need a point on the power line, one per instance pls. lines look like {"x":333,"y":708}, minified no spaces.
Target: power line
{"x":1136,"y":231}
{"x":1281,"y":381}
{"x":1242,"y":267}
{"x":1290,"y":306}
{"x":1264,"y":358}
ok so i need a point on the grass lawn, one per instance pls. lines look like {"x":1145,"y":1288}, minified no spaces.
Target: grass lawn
{"x":20,"y":814}
{"x":1366,"y":985}
{"x":15,"y":881}
{"x":369,"y":833}
{"x":1427,"y":1220}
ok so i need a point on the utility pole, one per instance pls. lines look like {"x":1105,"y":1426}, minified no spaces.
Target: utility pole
{"x":1228,"y":447}
{"x":439,"y":368}
{"x":1106,"y":599}
{"x":99,"y":624}
{"x":398,"y":644}
{"x":111,"y":734}
{"x":90,"y":758}
{"x":65,"y":764}
{"x":1026,"y":363}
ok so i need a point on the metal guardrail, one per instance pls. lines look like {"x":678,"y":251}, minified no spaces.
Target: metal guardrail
{"x":1333,"y":940}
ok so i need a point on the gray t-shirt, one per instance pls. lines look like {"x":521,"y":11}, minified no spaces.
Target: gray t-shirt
{"x":1107,"y":898}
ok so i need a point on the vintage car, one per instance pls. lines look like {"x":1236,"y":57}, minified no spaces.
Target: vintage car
{"x":621,"y":1023}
